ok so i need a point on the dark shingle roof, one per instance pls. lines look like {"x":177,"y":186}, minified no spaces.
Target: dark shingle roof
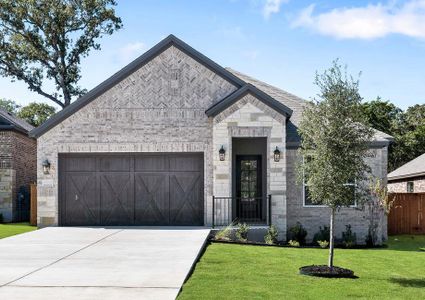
{"x":413,"y":168}
{"x":14,"y":121}
{"x":296,"y":104}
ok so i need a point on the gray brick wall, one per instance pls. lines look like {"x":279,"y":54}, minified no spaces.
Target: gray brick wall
{"x":159,"y":108}
{"x":313,"y":217}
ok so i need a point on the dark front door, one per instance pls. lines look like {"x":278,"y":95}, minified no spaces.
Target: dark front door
{"x":131,"y":189}
{"x":248,"y":188}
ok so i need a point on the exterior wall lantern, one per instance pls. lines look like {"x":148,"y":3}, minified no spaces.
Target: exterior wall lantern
{"x":221,"y":153}
{"x":46,"y":166}
{"x":276,"y":155}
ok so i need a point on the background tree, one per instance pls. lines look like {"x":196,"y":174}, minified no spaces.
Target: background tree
{"x":42,"y":40}
{"x":335,"y":137}
{"x":407,"y":128}
{"x":36,"y":113}
{"x":9,"y":105}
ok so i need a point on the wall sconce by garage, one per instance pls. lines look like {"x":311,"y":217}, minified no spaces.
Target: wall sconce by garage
{"x":46,"y":166}
{"x":221,"y":153}
{"x":276,"y":155}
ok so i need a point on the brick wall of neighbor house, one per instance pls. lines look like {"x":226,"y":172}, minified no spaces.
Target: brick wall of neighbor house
{"x":159,"y":108}
{"x":250,"y":117}
{"x":24,"y":151}
{"x":313,"y":217}
{"x":17,"y":168}
{"x":400,"y":185}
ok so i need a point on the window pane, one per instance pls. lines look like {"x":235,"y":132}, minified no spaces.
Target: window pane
{"x":410,"y":187}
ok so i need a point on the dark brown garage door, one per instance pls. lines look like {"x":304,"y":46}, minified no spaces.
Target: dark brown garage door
{"x":131,"y":189}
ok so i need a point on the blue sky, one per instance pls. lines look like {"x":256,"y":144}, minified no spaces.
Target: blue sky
{"x":282,"y":42}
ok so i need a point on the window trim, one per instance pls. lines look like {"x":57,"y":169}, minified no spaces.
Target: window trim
{"x":407,"y":187}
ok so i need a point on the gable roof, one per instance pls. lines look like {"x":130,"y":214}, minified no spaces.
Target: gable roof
{"x":12,"y":122}
{"x":413,"y":168}
{"x":169,"y":41}
{"x":248,"y":89}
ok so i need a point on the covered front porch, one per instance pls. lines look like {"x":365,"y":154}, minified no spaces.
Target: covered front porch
{"x":249,"y":180}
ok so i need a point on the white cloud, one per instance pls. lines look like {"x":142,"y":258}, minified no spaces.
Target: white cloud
{"x":272,"y":7}
{"x":130,"y":51}
{"x":368,"y":22}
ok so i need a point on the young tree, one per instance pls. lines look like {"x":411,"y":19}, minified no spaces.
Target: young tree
{"x":337,"y":141}
{"x":36,"y":113}
{"x":42,"y":40}
{"x":9,"y":105}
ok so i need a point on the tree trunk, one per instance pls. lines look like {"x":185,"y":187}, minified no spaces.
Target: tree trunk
{"x":331,"y":240}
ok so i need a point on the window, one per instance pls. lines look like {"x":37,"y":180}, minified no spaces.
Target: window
{"x":306,"y":195}
{"x":410,"y":187}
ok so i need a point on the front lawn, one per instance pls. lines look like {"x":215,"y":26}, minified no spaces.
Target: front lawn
{"x":14,"y":228}
{"x":228,"y":271}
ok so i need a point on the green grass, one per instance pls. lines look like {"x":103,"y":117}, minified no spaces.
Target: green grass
{"x":228,"y":271}
{"x":7,"y":230}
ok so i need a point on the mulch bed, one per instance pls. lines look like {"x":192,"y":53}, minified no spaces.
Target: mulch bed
{"x":325,"y":271}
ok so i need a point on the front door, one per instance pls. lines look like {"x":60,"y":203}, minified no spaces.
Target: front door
{"x":248,"y":188}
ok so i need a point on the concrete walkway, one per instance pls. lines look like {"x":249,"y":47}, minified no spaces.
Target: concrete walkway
{"x":98,"y":263}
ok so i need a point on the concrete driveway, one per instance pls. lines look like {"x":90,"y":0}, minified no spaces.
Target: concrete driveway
{"x":98,"y":263}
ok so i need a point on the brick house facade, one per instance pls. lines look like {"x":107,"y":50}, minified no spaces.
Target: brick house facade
{"x":409,"y":178}
{"x":17,"y":162}
{"x":158,"y":127}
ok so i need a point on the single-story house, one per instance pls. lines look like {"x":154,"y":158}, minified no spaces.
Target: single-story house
{"x":175,"y":139}
{"x":18,"y":166}
{"x":409,"y":178}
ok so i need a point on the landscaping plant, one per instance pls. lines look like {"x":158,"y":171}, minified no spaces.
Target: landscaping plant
{"x":335,"y":137}
{"x":242,"y":232}
{"x":293,"y":243}
{"x":322,"y":234}
{"x":224,"y":234}
{"x":323,"y":244}
{"x":349,"y":237}
{"x":298,"y":233}
{"x":271,"y":236}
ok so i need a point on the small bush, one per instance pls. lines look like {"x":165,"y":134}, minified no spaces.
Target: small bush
{"x":271,"y":236}
{"x":323,"y":244}
{"x":298,"y":233}
{"x":371,"y":235}
{"x":322,"y":235}
{"x":293,"y":243}
{"x":242,"y":232}
{"x":1,"y":218}
{"x":349,"y":238}
{"x":224,"y":234}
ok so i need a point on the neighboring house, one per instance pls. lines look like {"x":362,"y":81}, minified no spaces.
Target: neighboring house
{"x":409,"y":178}
{"x":145,"y":147}
{"x":18,"y":166}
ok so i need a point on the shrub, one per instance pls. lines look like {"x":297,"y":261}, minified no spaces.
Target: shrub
{"x":349,"y":238}
{"x":271,"y":236}
{"x":371,"y":235}
{"x":298,"y":233}
{"x":224,"y":234}
{"x":293,"y":243}
{"x":1,"y":218}
{"x":323,"y":244}
{"x":242,"y":232}
{"x":322,"y":235}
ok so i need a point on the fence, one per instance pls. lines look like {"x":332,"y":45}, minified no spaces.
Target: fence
{"x":33,"y":205}
{"x":407,"y":214}
{"x":227,"y":210}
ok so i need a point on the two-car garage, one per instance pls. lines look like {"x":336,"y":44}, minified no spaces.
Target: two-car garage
{"x":131,"y":189}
